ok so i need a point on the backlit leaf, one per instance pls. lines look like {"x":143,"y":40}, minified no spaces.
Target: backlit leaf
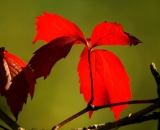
{"x":18,"y":79}
{"x":52,"y":26}
{"x":46,"y":56}
{"x":109,"y":33}
{"x":110,"y":80}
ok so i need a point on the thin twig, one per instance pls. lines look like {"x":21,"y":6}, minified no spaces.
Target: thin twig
{"x":4,"y":128}
{"x":70,"y":119}
{"x":157,"y":78}
{"x":152,"y":116}
{"x":128,"y":102}
{"x":9,"y":121}
{"x":130,"y":119}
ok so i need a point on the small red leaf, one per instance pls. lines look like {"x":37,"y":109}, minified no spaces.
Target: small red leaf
{"x":19,"y":81}
{"x":45,"y":57}
{"x":110,"y":80}
{"x":52,"y":26}
{"x":108,"y":33}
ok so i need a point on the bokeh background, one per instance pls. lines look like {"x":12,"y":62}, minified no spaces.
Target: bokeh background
{"x":58,"y":96}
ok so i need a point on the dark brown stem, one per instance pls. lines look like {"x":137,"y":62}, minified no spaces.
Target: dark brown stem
{"x":70,"y":118}
{"x":91,"y":78}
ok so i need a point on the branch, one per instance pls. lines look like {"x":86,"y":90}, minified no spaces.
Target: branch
{"x":4,"y":128}
{"x":130,"y":119}
{"x":157,"y":78}
{"x":9,"y":121}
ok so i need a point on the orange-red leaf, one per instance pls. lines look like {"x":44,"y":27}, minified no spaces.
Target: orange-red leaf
{"x":18,"y":79}
{"x":46,"y":56}
{"x":110,"y":80}
{"x":109,"y":33}
{"x":52,"y":26}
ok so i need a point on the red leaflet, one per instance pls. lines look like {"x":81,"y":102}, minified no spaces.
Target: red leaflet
{"x":107,"y":33}
{"x":110,"y":80}
{"x":103,"y":79}
{"x":51,"y":26}
{"x":18,"y":81}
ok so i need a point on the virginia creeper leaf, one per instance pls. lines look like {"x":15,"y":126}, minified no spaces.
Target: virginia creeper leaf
{"x":52,"y":26}
{"x":110,"y":80}
{"x":18,"y":79}
{"x":46,"y":56}
{"x":109,"y":33}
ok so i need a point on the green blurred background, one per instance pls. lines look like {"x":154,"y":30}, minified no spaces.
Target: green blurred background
{"x":58,"y":96}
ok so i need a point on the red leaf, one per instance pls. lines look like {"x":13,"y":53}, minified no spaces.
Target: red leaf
{"x":108,"y":33}
{"x":18,"y":81}
{"x":52,"y":26}
{"x":45,"y":57}
{"x":110,"y":80}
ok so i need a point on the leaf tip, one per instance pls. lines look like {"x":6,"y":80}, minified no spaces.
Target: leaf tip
{"x":133,"y":40}
{"x":34,"y":41}
{"x":90,"y":114}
